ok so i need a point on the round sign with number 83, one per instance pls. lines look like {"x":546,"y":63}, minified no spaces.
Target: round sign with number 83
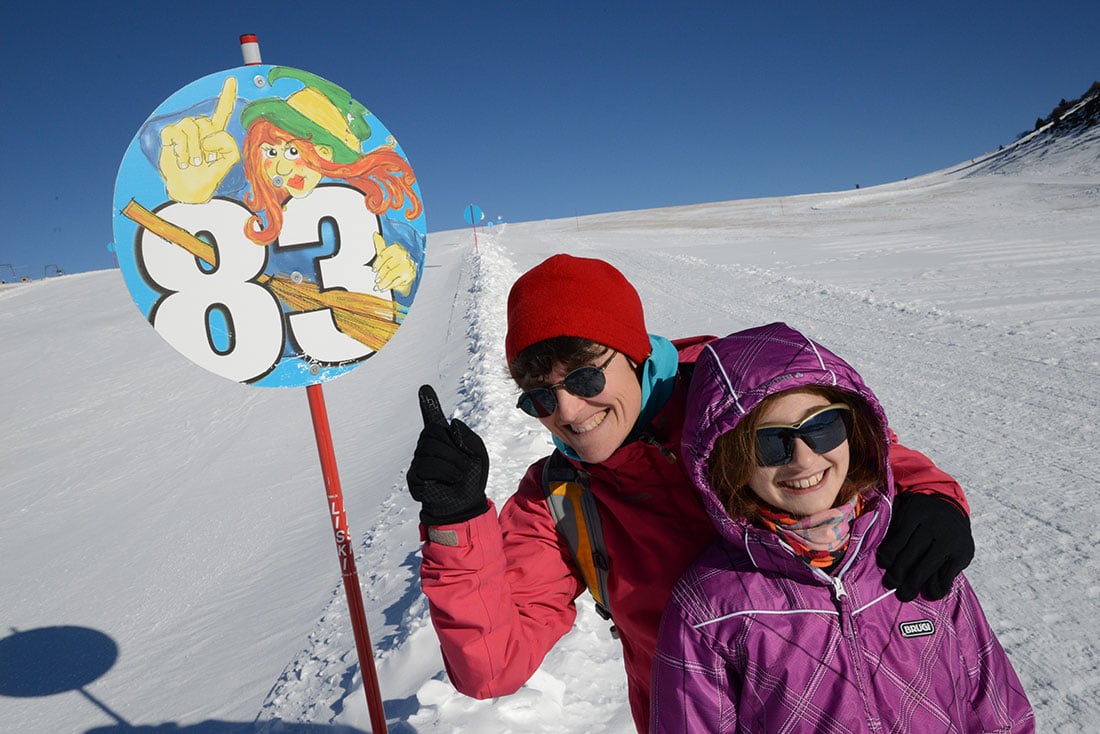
{"x":269,"y":227}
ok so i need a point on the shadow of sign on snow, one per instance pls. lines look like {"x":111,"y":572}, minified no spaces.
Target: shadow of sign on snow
{"x":51,"y":660}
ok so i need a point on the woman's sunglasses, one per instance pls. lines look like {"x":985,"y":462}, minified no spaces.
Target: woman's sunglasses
{"x":823,"y":430}
{"x":584,"y":382}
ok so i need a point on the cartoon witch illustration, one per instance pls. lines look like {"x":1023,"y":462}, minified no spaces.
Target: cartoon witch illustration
{"x":290,"y":147}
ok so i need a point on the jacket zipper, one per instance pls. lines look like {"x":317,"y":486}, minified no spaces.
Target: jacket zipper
{"x":851,"y":640}
{"x":838,"y":588}
{"x":850,"y":635}
{"x":847,"y":626}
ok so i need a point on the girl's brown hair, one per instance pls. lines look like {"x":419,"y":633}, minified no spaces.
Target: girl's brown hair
{"x":733,"y":459}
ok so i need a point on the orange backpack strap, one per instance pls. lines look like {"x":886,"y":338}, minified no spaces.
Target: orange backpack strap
{"x":577,"y":519}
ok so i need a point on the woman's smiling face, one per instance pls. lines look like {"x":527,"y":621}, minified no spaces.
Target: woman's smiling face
{"x":595,"y":427}
{"x":810,"y":482}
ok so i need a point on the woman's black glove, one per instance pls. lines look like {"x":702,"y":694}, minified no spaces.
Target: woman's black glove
{"x":926,"y":546}
{"x":449,"y":468}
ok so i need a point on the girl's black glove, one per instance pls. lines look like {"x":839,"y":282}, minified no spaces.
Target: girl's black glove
{"x":926,"y":546}
{"x":449,"y":468}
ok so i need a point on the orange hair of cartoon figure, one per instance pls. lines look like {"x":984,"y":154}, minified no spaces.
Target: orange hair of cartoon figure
{"x":384,"y":177}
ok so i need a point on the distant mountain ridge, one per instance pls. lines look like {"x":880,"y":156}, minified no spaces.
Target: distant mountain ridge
{"x":1082,"y":112}
{"x":1066,"y":142}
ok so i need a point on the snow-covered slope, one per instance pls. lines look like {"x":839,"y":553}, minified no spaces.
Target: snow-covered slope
{"x":179,"y":520}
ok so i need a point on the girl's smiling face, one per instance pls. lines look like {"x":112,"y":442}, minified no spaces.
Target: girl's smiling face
{"x":810,"y":482}
{"x":284,"y":166}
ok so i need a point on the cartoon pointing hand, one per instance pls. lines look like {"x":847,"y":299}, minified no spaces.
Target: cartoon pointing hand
{"x":198,"y":152}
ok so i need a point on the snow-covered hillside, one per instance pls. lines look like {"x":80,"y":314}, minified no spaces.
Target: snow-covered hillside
{"x":165,"y":554}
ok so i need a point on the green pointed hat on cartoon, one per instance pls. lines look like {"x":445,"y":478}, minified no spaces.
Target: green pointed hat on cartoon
{"x":321,"y":112}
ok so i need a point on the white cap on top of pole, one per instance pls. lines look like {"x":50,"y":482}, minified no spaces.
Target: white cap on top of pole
{"x":250,"y":49}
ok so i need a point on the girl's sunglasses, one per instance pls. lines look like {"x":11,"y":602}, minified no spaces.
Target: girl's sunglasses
{"x":823,"y":430}
{"x":584,"y":382}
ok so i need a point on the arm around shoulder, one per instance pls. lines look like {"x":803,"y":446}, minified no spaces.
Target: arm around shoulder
{"x":929,"y":540}
{"x":915,"y":472}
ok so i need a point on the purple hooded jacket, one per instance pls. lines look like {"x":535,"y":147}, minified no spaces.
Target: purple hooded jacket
{"x":755,"y":640}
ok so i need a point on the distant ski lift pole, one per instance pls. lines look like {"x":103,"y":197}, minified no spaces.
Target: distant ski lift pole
{"x":473,"y":214}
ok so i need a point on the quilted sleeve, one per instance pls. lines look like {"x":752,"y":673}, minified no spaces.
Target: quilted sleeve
{"x":501,"y":592}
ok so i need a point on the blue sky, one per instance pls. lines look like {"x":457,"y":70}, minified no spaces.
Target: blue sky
{"x":546,"y":110}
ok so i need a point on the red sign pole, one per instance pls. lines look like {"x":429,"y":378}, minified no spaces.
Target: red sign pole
{"x":250,"y":49}
{"x":346,"y":554}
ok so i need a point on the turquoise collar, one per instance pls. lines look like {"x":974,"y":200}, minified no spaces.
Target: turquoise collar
{"x":658,"y":378}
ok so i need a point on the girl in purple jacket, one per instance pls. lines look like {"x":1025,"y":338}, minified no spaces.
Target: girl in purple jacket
{"x":783,"y":624}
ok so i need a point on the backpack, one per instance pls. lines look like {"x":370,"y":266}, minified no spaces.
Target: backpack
{"x":577,"y":519}
{"x":576,"y":515}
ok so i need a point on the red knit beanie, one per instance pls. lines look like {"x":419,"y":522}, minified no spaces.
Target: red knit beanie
{"x":579,"y":297}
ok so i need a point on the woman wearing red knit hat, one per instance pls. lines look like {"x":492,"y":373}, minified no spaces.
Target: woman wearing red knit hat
{"x":502,"y":588}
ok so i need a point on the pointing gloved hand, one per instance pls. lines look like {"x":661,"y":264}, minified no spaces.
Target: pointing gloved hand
{"x":928,"y":543}
{"x":449,"y":468}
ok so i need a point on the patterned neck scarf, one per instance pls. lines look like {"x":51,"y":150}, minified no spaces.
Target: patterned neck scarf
{"x":819,"y":539}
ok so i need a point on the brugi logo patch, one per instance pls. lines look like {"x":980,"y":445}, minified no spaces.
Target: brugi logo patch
{"x":919,"y":628}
